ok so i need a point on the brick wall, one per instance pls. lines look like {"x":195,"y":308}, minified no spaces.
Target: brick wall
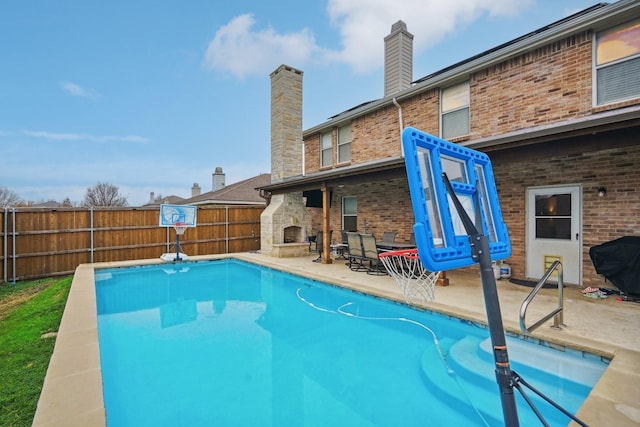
{"x":549,"y":84}
{"x":386,"y":206}
{"x":605,"y":218}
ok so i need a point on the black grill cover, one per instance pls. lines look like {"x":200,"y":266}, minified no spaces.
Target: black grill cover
{"x":619,"y":262}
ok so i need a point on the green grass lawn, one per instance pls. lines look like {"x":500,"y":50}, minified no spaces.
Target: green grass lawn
{"x":28,"y":310}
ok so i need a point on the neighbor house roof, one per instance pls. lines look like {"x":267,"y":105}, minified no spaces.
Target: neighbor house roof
{"x":172,"y":200}
{"x":240,"y":193}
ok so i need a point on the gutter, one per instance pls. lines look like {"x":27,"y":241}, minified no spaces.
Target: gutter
{"x":587,"y":123}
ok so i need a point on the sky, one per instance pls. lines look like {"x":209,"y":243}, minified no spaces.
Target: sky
{"x":153,"y":95}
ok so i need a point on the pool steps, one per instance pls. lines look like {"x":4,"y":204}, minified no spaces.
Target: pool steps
{"x":468,"y":375}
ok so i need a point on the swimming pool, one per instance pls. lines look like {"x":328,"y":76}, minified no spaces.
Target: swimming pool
{"x":228,"y":343}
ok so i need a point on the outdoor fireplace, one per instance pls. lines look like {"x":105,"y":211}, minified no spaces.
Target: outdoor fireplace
{"x":285,"y":225}
{"x":292,"y":234}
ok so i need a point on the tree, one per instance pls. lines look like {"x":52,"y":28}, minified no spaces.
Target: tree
{"x":104,"y":194}
{"x":8,"y":198}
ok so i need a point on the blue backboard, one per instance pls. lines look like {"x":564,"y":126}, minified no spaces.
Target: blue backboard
{"x":185,"y":215}
{"x":443,"y":242}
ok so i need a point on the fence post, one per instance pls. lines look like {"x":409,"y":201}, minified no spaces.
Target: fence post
{"x":13,"y":245}
{"x":226,"y":229}
{"x":4,"y":243}
{"x":91,"y":231}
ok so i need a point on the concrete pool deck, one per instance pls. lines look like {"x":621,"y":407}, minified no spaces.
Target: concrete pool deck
{"x":72,"y":391}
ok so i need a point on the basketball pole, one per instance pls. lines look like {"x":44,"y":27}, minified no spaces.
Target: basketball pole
{"x":480,"y":253}
{"x":178,"y":246}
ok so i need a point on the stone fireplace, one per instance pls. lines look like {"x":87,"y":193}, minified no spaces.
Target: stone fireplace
{"x":285,"y":223}
{"x":293,"y":234}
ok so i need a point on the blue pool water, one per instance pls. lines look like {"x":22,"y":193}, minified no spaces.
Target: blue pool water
{"x":228,"y":343}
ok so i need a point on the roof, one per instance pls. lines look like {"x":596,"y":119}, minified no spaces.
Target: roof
{"x":172,"y":200}
{"x":596,"y":17}
{"x":240,"y":193}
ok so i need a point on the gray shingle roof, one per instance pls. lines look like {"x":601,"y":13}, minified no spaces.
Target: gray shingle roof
{"x":242,"y":192}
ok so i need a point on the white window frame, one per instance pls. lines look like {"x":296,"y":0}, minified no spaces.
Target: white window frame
{"x":349,"y":214}
{"x":344,"y":143}
{"x":455,"y":100}
{"x":326,"y":147}
{"x":616,"y":62}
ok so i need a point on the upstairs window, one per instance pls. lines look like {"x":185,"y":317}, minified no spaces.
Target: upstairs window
{"x":454,"y":111}
{"x":344,"y":144}
{"x":326,"y":149}
{"x":617,"y":64}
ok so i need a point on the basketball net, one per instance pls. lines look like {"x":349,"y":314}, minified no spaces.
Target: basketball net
{"x":417,"y":284}
{"x":180,"y":228}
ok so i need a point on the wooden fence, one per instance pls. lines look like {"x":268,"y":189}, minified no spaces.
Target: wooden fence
{"x":37,"y":243}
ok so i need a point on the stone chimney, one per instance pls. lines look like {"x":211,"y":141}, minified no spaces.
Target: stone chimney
{"x":286,"y":222}
{"x":286,"y":123}
{"x":152,"y":197}
{"x":195,"y":190}
{"x":217,"y":179}
{"x":398,"y":59}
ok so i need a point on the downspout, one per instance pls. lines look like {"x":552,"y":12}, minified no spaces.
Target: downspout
{"x":401,"y":124}
{"x":303,"y":160}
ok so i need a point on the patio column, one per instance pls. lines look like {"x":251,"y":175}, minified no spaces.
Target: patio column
{"x":326,"y":224}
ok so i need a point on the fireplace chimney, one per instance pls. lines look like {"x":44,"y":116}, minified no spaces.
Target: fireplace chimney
{"x":286,"y":222}
{"x":286,"y":123}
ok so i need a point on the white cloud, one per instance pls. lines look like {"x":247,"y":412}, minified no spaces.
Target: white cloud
{"x":85,"y":137}
{"x":77,"y":90}
{"x":241,"y":49}
{"x":363,"y":25}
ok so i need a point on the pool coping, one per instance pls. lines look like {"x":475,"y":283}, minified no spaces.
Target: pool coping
{"x":72,"y":389}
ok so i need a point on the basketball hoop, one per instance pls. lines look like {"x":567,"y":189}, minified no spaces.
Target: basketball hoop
{"x":180,"y":228}
{"x":417,"y":284}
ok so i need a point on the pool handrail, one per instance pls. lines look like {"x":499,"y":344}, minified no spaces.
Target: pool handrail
{"x":557,"y":314}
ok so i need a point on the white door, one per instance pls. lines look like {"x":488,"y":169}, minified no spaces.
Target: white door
{"x":554,"y":231}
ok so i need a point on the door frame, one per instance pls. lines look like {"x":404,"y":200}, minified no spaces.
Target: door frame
{"x":530,"y":225}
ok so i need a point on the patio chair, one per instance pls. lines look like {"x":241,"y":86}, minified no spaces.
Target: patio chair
{"x":355,"y":255}
{"x":312,"y":240}
{"x":370,"y":251}
{"x":319,"y":244}
{"x":388,"y":237}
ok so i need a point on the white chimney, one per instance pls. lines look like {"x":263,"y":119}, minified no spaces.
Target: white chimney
{"x":195,"y":190}
{"x":218,"y":179}
{"x":152,"y":197}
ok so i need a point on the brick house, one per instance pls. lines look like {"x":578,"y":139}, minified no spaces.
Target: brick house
{"x":557,"y":111}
